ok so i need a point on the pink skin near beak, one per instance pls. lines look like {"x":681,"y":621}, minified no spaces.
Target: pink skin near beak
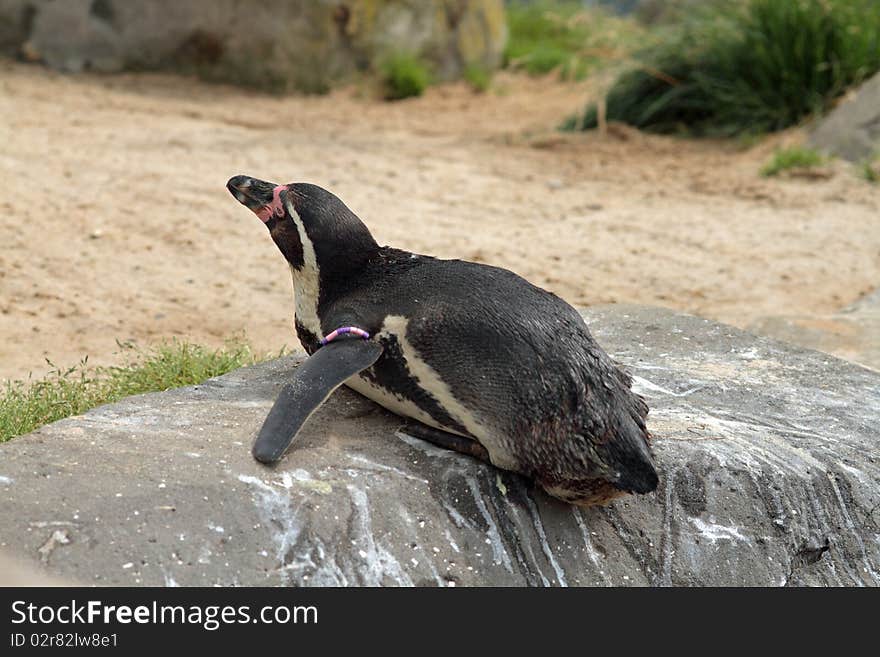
{"x":273,"y":208}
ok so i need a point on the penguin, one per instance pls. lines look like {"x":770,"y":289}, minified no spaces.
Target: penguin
{"x":486,"y":363}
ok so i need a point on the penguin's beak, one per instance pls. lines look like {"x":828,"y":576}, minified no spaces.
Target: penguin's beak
{"x":252,"y":193}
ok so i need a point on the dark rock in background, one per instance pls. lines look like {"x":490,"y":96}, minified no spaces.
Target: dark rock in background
{"x":276,"y":45}
{"x":768,"y":456}
{"x":16,"y":22}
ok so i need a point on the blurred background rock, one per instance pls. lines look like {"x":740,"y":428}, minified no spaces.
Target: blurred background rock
{"x":275,"y":45}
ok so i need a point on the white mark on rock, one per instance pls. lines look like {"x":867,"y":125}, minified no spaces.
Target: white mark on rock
{"x":324,"y":573}
{"x":850,"y":525}
{"x":749,"y":354}
{"x":545,"y":546}
{"x":204,"y":554}
{"x":58,"y":537}
{"x":644,"y":387}
{"x":714,"y":532}
{"x":588,"y":543}
{"x":386,"y":468}
{"x":668,"y":550}
{"x":5,"y":481}
{"x":459,"y":520}
{"x":378,"y":563}
{"x":499,"y":553}
{"x":863,"y":479}
{"x":274,"y":507}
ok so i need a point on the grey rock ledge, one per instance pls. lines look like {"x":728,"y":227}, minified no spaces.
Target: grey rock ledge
{"x":768,"y":457}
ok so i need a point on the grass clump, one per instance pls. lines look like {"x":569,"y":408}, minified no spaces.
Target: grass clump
{"x":796,"y":157}
{"x":27,"y":405}
{"x":748,"y":66}
{"x":478,"y":77}
{"x":562,"y":36}
{"x":869,"y":170}
{"x":403,"y":75}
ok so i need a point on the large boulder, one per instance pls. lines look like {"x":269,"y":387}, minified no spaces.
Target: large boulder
{"x":768,"y":456}
{"x":273,"y":44}
{"x":852,"y":129}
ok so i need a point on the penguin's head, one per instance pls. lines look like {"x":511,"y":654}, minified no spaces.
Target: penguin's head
{"x":311,"y":226}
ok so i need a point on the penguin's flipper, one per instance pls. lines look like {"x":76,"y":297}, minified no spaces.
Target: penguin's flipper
{"x":448,"y":440}
{"x":313,"y":382}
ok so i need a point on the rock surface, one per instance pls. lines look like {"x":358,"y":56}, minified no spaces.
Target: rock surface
{"x":768,"y":456}
{"x":852,"y":129}
{"x":852,"y":333}
{"x":273,"y":44}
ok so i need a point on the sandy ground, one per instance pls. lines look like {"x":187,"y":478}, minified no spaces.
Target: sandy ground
{"x":115,"y":222}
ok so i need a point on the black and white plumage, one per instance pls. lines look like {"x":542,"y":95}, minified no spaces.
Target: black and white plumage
{"x":508,"y":369}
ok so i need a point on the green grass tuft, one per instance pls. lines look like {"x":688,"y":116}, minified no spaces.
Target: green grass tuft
{"x":796,"y":157}
{"x":569,"y":124}
{"x":403,"y":76}
{"x":562,"y":36}
{"x":869,"y":170}
{"x":478,"y":77}
{"x":27,"y":405}
{"x":748,"y":66}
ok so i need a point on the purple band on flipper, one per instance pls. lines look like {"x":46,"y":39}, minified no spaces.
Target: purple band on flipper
{"x":343,"y":330}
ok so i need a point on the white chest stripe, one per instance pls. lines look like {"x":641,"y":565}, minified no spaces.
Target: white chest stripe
{"x":305,"y":280}
{"x":429,"y":380}
{"x":394,"y":403}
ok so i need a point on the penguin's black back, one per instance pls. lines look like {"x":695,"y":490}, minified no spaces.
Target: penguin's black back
{"x":519,"y":357}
